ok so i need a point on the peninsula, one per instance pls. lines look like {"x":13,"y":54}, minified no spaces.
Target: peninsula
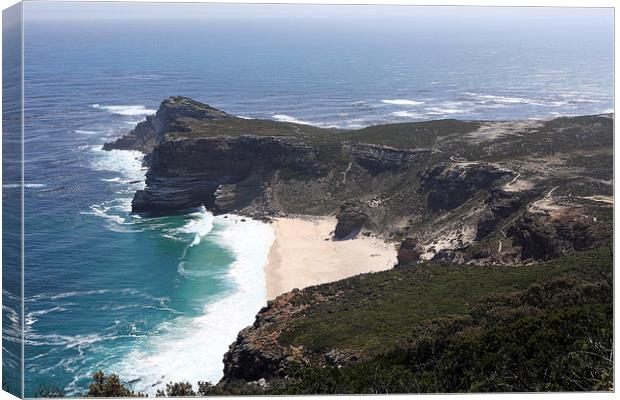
{"x":454,"y":226}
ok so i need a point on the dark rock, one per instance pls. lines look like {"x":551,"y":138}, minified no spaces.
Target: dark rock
{"x":479,"y":254}
{"x":222,"y":173}
{"x":408,"y":253}
{"x":543,"y":237}
{"x":377,"y":159}
{"x":448,"y":256}
{"x":247,"y":361}
{"x":351,"y":219}
{"x":451,"y":185}
{"x":256,"y":354}
{"x":501,"y":205}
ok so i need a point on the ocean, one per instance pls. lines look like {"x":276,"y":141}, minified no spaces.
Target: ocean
{"x":160,"y":299}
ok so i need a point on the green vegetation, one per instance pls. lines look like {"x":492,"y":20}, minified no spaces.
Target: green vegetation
{"x":411,"y":134}
{"x":562,"y":350}
{"x":177,"y":389}
{"x":372,"y":313}
{"x":404,"y":135}
{"x":546,"y":327}
{"x":109,"y":386}
{"x":258,"y":127}
{"x":446,"y":328}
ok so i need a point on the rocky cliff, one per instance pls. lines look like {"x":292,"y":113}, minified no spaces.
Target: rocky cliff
{"x":465,"y":191}
{"x":475,"y":193}
{"x":172,"y":115}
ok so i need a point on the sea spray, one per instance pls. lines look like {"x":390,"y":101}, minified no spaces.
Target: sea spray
{"x":128,"y":164}
{"x":200,"y":224}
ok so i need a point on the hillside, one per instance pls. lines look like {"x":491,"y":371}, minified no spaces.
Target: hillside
{"x":477,"y":192}
{"x":420,"y":319}
{"x":503,"y":229}
{"x":433,"y":328}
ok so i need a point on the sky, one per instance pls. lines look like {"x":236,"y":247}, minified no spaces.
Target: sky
{"x":83,"y":11}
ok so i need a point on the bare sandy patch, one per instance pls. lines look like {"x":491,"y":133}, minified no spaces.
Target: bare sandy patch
{"x":304,"y":254}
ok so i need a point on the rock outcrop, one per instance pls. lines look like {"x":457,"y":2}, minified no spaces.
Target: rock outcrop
{"x":377,"y":159}
{"x":451,"y":185}
{"x":170,"y":117}
{"x":223,"y":173}
{"x":544,"y":236}
{"x":457,"y":186}
{"x":351,"y":219}
{"x":501,"y":205}
{"x":255,"y":354}
{"x":408,"y":252}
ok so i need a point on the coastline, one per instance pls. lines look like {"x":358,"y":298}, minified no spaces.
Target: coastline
{"x":303,"y":254}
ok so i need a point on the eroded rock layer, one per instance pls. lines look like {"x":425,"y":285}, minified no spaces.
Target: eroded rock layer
{"x":466,"y":191}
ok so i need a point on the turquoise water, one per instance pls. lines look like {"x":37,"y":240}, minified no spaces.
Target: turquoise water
{"x":161,"y":299}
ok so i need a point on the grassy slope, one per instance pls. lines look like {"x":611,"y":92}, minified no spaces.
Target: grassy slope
{"x":404,"y":135}
{"x":375,"y":312}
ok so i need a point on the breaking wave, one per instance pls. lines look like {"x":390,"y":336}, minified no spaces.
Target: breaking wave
{"x":192,"y":348}
{"x":403,"y":102}
{"x":127,"y":110}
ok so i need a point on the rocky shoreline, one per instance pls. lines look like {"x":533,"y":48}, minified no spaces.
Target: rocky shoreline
{"x":531,"y":191}
{"x":462,"y":192}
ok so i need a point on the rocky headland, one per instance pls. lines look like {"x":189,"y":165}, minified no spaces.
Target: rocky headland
{"x":474,"y":194}
{"x":466,"y":191}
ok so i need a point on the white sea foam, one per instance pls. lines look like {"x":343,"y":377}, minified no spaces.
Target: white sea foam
{"x":35,"y":339}
{"x":505,"y":99}
{"x":407,"y":114}
{"x":85,"y":132}
{"x":127,"y":110}
{"x":403,"y":102}
{"x":200,"y":224}
{"x":101,"y":210}
{"x":192,"y":348}
{"x":288,"y":118}
{"x":509,"y":100}
{"x":441,"y":111}
{"x":128,"y":164}
{"x":31,"y":317}
{"x":353,"y":124}
{"x":26,"y":185}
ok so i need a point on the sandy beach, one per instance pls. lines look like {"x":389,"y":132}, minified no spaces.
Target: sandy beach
{"x":303,"y":254}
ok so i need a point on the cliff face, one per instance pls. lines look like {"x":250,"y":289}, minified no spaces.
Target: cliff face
{"x":223,"y":174}
{"x":473,"y":192}
{"x":477,"y":193}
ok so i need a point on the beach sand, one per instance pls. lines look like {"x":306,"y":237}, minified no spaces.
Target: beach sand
{"x":301,"y":256}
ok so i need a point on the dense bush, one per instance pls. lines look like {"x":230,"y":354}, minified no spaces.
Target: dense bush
{"x":178,"y":389}
{"x":109,"y":386}
{"x":565,"y":350}
{"x":553,"y":331}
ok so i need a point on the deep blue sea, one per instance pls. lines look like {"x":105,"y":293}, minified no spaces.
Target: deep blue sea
{"x":161,"y":299}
